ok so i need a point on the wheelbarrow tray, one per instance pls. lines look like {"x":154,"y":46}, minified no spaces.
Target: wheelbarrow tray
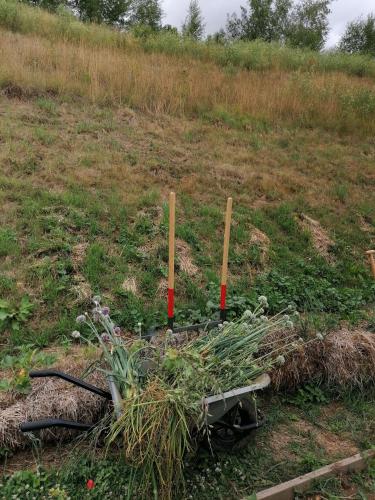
{"x":216,"y":406}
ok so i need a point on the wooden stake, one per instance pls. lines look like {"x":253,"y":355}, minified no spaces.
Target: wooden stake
{"x":371,"y":256}
{"x":172,"y":224}
{"x":224,"y":270}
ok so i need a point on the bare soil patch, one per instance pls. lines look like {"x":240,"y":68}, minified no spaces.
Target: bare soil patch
{"x":335,"y":446}
{"x":301,"y":432}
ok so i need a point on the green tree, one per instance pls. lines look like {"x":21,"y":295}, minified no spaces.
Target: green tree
{"x":50,"y":5}
{"x":102,"y":11}
{"x":219,"y":37}
{"x":194,"y":25}
{"x":359,"y":37}
{"x":146,"y":14}
{"x":168,"y":28}
{"x":264,"y":19}
{"x":304,"y":24}
{"x":308,"y":24}
{"x":112,"y":12}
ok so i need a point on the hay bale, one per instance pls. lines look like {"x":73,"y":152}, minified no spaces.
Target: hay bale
{"x":301,"y":365}
{"x":346,"y":358}
{"x":52,"y":398}
{"x":349,"y":358}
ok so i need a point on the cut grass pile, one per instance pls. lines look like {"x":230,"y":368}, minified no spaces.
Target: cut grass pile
{"x":162,"y":413}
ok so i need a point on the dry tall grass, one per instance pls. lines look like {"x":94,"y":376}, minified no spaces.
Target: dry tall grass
{"x":159,"y":83}
{"x":256,"y":55}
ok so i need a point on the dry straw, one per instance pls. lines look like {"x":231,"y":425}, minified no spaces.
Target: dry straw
{"x":50,"y":399}
{"x":344,"y":360}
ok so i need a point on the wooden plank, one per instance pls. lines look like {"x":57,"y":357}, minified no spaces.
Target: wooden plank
{"x":286,"y":491}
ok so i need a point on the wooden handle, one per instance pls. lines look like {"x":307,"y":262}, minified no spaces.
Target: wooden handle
{"x":371,"y":256}
{"x":172,"y":225}
{"x":228,"y":218}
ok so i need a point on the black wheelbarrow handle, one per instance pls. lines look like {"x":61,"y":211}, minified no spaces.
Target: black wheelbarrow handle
{"x":73,"y":380}
{"x":54,"y":422}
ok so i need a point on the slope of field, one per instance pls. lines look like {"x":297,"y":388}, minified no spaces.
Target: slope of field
{"x":94,"y":133}
{"x":83,"y":190}
{"x":160,"y":84}
{"x":256,"y":55}
{"x":97,"y":127}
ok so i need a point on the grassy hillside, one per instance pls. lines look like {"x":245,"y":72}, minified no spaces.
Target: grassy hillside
{"x":97,"y":127}
{"x":256,"y":55}
{"x":164,"y":74}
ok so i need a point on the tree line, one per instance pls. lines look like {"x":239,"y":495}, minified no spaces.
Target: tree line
{"x":296,"y":23}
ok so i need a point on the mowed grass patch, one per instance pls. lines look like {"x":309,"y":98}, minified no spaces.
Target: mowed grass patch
{"x":84,"y":194}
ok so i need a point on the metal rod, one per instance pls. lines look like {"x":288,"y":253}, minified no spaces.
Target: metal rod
{"x":181,"y":329}
{"x":72,"y":380}
{"x":47,"y":423}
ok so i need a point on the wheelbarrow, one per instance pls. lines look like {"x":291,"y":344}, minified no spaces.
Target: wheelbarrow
{"x":231,"y":416}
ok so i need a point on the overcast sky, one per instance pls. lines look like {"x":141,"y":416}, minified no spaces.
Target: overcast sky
{"x":215,"y":13}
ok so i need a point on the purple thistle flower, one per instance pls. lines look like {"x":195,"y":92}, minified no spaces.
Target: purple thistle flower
{"x":117,"y":331}
{"x":105,"y":311}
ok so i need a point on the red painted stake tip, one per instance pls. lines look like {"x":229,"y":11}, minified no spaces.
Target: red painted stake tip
{"x":170,"y":302}
{"x":223,"y":297}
